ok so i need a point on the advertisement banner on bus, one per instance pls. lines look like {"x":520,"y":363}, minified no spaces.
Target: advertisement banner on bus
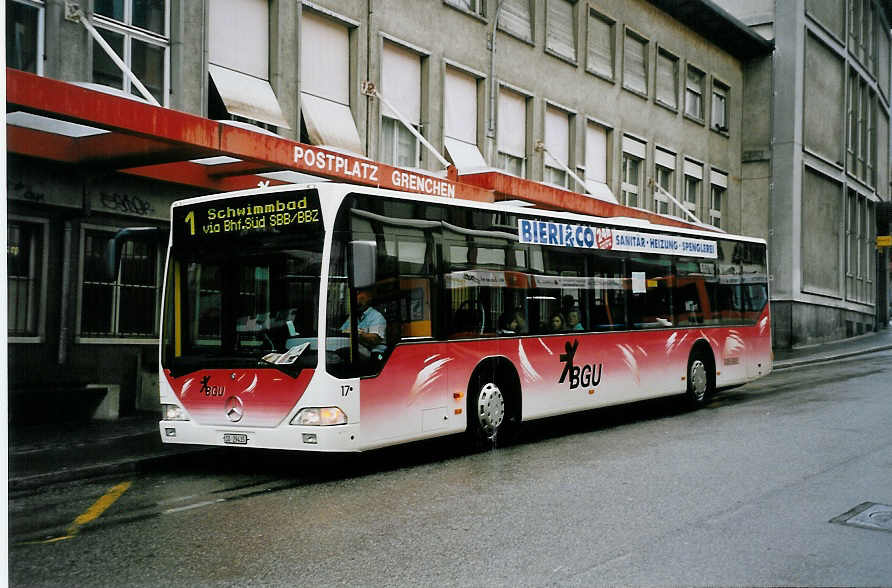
{"x":559,"y":234}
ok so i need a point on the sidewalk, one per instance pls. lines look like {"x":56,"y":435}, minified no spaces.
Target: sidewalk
{"x":46,"y":454}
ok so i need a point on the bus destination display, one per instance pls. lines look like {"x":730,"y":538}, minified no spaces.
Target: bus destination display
{"x":256,"y":215}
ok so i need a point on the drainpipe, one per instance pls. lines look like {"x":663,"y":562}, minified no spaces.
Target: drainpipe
{"x":64,"y":302}
{"x":491,"y":124}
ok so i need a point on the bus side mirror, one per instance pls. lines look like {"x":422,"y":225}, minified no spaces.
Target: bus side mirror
{"x":115,"y":246}
{"x":362,"y":265}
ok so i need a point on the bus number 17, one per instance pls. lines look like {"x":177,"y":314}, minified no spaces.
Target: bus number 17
{"x":346,"y":389}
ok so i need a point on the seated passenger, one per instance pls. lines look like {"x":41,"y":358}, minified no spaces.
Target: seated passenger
{"x":557,"y":324}
{"x":512,"y":321}
{"x":573,"y":322}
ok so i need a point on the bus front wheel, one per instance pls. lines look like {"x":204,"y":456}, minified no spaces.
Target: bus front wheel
{"x":701,"y":378}
{"x":487,"y":413}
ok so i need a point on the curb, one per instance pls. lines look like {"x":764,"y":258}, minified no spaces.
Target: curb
{"x":124,"y":465}
{"x":794,"y":363}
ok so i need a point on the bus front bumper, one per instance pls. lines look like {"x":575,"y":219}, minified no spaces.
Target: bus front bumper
{"x":301,"y":438}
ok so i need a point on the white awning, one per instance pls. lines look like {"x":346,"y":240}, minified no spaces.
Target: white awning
{"x":465,"y":156}
{"x":247,"y":96}
{"x":330,"y":123}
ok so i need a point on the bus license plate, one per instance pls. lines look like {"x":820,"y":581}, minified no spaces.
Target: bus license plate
{"x":235,"y":438}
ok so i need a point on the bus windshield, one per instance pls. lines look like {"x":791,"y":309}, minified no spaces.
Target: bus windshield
{"x":247,"y":297}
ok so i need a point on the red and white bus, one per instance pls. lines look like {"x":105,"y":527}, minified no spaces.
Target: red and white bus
{"x":331,"y":317}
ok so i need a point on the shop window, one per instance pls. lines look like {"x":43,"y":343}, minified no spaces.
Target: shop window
{"x":124,"y":304}
{"x":25,"y":276}
{"x":24,"y":35}
{"x":137,"y":32}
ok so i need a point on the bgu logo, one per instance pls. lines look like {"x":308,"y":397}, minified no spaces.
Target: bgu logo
{"x":211,"y":389}
{"x":585,"y":376}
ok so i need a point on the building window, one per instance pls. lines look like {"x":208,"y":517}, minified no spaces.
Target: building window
{"x":25,"y":274}
{"x":512,"y":132}
{"x":693,"y":101}
{"x":635,"y":63}
{"x":123,"y":305}
{"x":326,"y":118}
{"x":24,"y":35}
{"x":557,"y":144}
{"x":560,"y":35}
{"x":852,"y":110}
{"x":600,"y":45}
{"x":664,"y":167}
{"x":596,"y":150}
{"x":667,"y":79}
{"x":632,"y":168}
{"x":239,"y":87}
{"x":137,"y":32}
{"x":401,"y":86}
{"x":399,"y":147}
{"x":477,"y":7}
{"x":719,"y":107}
{"x":460,"y":124}
{"x":860,"y":238}
{"x":718,"y":186}
{"x":631,"y":179}
{"x":515,"y":18}
{"x":693,"y":179}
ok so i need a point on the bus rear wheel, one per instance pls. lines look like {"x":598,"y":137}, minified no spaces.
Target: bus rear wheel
{"x":487,"y":413}
{"x":701,"y":379}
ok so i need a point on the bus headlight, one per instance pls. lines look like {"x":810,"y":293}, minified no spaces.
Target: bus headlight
{"x":173,"y":412}
{"x":329,"y":415}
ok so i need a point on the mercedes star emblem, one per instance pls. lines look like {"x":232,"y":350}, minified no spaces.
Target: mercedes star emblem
{"x":235,"y":408}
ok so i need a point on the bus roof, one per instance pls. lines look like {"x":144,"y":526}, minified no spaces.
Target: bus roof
{"x":339,"y":189}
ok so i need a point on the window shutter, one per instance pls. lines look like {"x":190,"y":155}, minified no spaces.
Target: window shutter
{"x":461,"y":106}
{"x":595,"y":153}
{"x":401,"y":82}
{"x":324,"y":58}
{"x":239,"y":36}
{"x":667,"y":76}
{"x":634,"y":64}
{"x":515,"y":18}
{"x":512,"y":123}
{"x":600,"y":46}
{"x":561,"y":36}
{"x":557,"y":136}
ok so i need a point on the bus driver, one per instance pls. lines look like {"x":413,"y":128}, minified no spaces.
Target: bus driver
{"x":371,"y":326}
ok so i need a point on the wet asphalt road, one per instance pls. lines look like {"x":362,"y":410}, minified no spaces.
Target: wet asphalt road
{"x":741,"y":492}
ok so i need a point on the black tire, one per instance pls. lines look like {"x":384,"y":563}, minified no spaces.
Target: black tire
{"x":488,"y":412}
{"x":700,"y":378}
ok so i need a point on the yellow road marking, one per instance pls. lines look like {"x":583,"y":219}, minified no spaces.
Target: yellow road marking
{"x":92,"y":513}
